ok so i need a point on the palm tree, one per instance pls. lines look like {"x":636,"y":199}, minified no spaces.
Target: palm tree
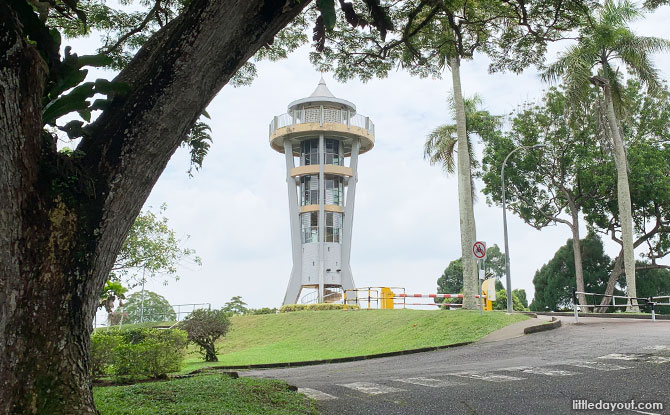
{"x":604,"y":41}
{"x":441,"y":146}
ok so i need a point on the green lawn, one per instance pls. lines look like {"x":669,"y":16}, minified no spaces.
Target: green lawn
{"x":317,"y":335}
{"x":203,"y":395}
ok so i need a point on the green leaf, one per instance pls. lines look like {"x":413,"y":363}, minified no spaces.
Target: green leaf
{"x":55,"y":35}
{"x":74,"y":129}
{"x":103,"y":86}
{"x":327,"y":9}
{"x":94,"y":60}
{"x":70,"y":78}
{"x":74,"y":101}
{"x":99,"y":104}
{"x":85,"y":114}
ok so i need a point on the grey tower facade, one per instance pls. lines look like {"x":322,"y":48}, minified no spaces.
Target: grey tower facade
{"x":321,"y":137}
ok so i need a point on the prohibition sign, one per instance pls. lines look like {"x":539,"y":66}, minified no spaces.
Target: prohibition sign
{"x":479,"y":250}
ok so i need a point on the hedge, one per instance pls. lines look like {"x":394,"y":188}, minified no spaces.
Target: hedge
{"x":136,"y":353}
{"x":317,"y":307}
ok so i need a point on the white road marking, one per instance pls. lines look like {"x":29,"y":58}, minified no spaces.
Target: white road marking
{"x":638,"y":357}
{"x":658,"y":348}
{"x":489,"y":377}
{"x":645,"y":413}
{"x":658,"y":359}
{"x":538,"y":371}
{"x":431,"y":383}
{"x":623,"y":356}
{"x":316,"y":395}
{"x":599,"y":366}
{"x":371,"y":388}
{"x":548,"y":371}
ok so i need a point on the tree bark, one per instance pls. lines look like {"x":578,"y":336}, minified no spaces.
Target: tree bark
{"x":577,"y":253}
{"x":465,"y":205}
{"x":623,"y":197}
{"x":611,"y":283}
{"x":63,"y":220}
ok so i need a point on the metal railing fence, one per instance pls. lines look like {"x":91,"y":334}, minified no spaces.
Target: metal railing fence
{"x":629,"y":302}
{"x":156,"y":314}
{"x":322,"y":115}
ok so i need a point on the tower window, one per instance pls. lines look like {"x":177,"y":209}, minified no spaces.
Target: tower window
{"x":310,"y":227}
{"x":333,"y":153}
{"x":309,"y":190}
{"x":334,"y":191}
{"x":309,"y":152}
{"x":333,"y":226}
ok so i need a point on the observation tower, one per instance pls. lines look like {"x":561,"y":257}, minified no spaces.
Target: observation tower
{"x":326,"y":136}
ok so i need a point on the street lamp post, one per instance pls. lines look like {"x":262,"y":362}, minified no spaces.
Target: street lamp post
{"x":508,"y":278}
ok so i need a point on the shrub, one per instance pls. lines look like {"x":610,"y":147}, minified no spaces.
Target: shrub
{"x":150,"y":352}
{"x":264,"y":310}
{"x":204,"y":328}
{"x":501,"y":301}
{"x":103,"y":348}
{"x":317,"y":307}
{"x":137,"y":352}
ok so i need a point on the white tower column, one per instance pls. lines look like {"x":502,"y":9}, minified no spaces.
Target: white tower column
{"x":347,"y":275}
{"x":295,"y":282}
{"x":323,"y":130}
{"x":322,"y":211}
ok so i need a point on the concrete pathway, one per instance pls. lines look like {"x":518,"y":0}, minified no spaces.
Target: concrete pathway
{"x":514,"y":330}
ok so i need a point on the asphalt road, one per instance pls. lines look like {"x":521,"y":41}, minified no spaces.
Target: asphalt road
{"x":613,"y":360}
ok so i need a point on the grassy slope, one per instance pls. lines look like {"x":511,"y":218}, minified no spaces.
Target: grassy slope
{"x":203,"y":395}
{"x":310,"y":335}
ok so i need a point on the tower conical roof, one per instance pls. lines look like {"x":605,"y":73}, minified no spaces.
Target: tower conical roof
{"x":322,"y":95}
{"x":322,"y":90}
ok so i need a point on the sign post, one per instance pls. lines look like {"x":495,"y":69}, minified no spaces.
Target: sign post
{"x":479,"y":252}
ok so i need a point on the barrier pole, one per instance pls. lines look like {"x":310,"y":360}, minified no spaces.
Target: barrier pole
{"x":574,"y":304}
{"x":479,"y":284}
{"x":653,"y":311}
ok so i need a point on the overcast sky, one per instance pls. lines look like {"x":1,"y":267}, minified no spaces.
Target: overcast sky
{"x":406,"y":226}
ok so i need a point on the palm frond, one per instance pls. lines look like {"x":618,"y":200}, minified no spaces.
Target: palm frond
{"x":634,"y":52}
{"x":440,"y":147}
{"x":618,"y":13}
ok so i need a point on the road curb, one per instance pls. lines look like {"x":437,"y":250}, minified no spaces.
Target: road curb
{"x":605,"y":315}
{"x":555,"y":323}
{"x":336,"y":360}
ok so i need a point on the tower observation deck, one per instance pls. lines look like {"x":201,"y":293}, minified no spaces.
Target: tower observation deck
{"x":322,"y":133}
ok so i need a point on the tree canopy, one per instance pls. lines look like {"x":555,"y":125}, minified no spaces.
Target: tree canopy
{"x":147,"y":306}
{"x":555,"y":281}
{"x":236,"y":306}
{"x":151,"y":249}
{"x":204,"y":328}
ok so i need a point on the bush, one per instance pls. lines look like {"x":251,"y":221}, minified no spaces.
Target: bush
{"x":264,"y":310}
{"x":204,"y":328}
{"x":317,"y":307}
{"x":102,"y":354}
{"x":501,"y":301}
{"x":137,"y":353}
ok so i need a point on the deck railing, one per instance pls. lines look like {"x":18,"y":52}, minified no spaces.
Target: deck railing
{"x":321,"y":115}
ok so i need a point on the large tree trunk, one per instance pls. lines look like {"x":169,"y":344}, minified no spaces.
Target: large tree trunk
{"x":577,"y":253}
{"x":611,"y":283}
{"x":465,"y":205}
{"x":623,"y":197}
{"x":63,"y":220}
